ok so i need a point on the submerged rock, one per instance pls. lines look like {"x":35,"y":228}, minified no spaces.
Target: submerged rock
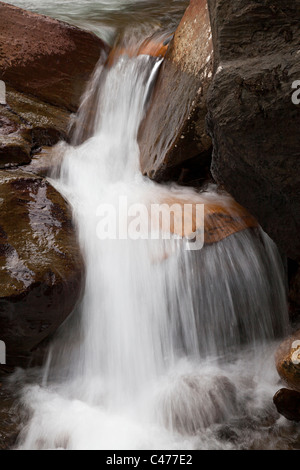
{"x":174,"y":129}
{"x":192,"y":403}
{"x":47,"y":58}
{"x":287,"y":403}
{"x":252,"y":119}
{"x":41,"y":269}
{"x":288,"y":361}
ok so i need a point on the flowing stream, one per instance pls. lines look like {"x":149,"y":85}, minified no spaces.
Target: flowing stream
{"x":169,"y":348}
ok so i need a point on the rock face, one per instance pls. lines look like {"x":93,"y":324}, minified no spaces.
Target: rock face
{"x":15,"y":138}
{"x":41,"y":270}
{"x":252,"y":119}
{"x":288,"y":361}
{"x":287,"y":403}
{"x":46,"y":162}
{"x":222,"y":218}
{"x":46,"y":57}
{"x":173,"y":131}
{"x":26,"y":124}
{"x":48,"y":123}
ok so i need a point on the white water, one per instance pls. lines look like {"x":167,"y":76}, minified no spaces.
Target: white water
{"x":168,"y":352}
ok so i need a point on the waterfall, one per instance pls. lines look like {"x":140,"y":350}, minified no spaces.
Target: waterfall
{"x":168,"y":345}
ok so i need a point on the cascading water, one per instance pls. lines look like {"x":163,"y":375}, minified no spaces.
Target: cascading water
{"x":170,"y":348}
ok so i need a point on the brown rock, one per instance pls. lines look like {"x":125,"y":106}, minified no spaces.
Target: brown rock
{"x":46,"y":162}
{"x":15,"y":138}
{"x":41,"y":269}
{"x":288,"y":361}
{"x":26,"y":124}
{"x":151,"y":46}
{"x":10,"y":419}
{"x":174,"y":129}
{"x":221,"y":218}
{"x":46,"y":57}
{"x":252,"y":119}
{"x":287,"y":403}
{"x":49,"y":123}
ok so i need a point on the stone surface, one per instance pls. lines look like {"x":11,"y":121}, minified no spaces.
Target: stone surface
{"x":193,"y":402}
{"x":46,"y":57}
{"x":294,"y":296}
{"x":10,"y":421}
{"x":41,"y":269}
{"x":154,"y":47}
{"x":287,"y":403}
{"x":288,"y":361}
{"x":252,"y":119}
{"x":26,"y":125}
{"x":46,"y":162}
{"x":174,"y":130}
{"x":221,"y":218}
{"x":15,"y":138}
{"x":49,"y":123}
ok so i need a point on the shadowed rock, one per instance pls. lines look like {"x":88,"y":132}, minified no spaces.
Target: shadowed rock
{"x":252,"y":119}
{"x":287,"y":403}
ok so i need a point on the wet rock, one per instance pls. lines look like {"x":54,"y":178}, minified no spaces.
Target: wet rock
{"x":288,"y":361}
{"x":154,"y":47}
{"x":46,"y":57}
{"x":222,"y":217}
{"x":26,"y":125}
{"x":49,"y":123}
{"x":15,"y":138}
{"x":252,"y":119}
{"x":192,"y":403}
{"x":9,"y":418}
{"x":46,"y":162}
{"x":287,"y":403}
{"x":41,"y":270}
{"x":174,"y":130}
{"x":295,"y":287}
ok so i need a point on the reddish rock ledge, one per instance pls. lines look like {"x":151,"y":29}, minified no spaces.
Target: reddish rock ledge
{"x":47,"y":58}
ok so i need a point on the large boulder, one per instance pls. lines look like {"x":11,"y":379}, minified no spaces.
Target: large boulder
{"x":41,"y":269}
{"x":46,"y":57}
{"x":288,"y":361}
{"x":252,"y":120}
{"x":173,"y":130}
